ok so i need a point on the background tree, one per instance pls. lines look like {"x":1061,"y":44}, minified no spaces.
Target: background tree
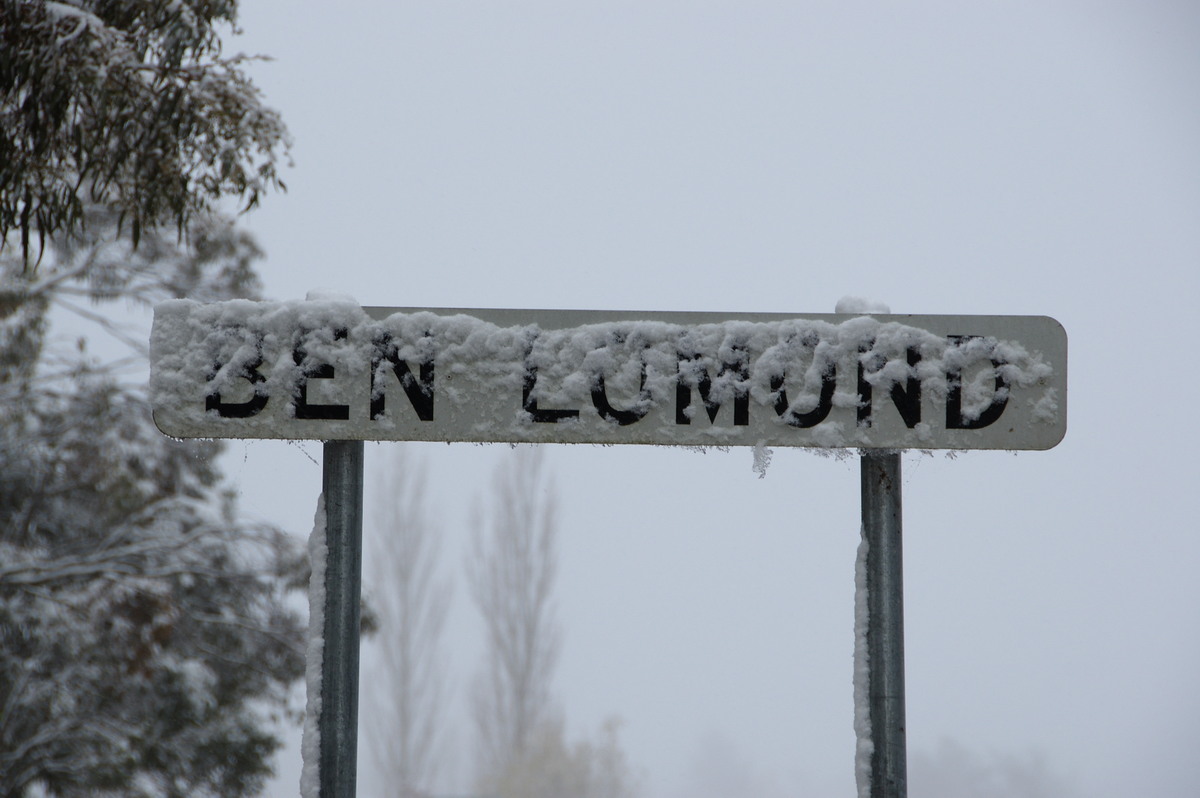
{"x":522,"y":748}
{"x":511,"y":572}
{"x":952,"y":771}
{"x":145,"y":645}
{"x":549,"y":767}
{"x":129,"y":105}
{"x":409,"y":688}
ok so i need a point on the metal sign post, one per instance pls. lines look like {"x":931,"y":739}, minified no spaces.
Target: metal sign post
{"x":881,"y":529}
{"x":342,"y":483}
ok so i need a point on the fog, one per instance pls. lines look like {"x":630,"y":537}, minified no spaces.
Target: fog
{"x":983,"y":158}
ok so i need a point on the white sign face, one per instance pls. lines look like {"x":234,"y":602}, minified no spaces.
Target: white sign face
{"x":327,"y":370}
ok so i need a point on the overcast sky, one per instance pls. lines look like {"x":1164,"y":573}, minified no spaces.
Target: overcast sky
{"x":964,"y":158}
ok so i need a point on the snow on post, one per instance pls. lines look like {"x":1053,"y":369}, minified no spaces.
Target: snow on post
{"x":310,"y":775}
{"x":864,"y":743}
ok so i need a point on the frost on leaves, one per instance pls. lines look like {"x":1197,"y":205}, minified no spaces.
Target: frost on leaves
{"x":147,"y":648}
{"x":131,"y":105}
{"x":143,"y":627}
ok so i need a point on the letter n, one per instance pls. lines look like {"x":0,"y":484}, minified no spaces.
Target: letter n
{"x":418,"y":389}
{"x":907,"y":399}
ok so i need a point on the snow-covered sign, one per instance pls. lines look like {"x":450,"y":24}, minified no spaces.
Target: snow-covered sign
{"x":329,"y":370}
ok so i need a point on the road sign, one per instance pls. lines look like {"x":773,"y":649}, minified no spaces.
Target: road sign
{"x":326,"y":370}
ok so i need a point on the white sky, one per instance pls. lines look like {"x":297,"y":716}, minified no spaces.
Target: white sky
{"x":981,"y":158}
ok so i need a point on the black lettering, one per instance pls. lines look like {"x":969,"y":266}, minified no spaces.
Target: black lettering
{"x":813,"y":417}
{"x":907,"y":399}
{"x":865,"y":394}
{"x":699,"y":375}
{"x":955,"y":418}
{"x":419,"y":390}
{"x":541,"y":415}
{"x":253,"y":405}
{"x":610,"y":413}
{"x":325,"y":371}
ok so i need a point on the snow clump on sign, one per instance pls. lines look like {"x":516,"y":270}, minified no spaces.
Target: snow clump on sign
{"x":327,"y":369}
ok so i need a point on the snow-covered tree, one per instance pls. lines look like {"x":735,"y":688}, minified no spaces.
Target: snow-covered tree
{"x":145,"y":645}
{"x":128,"y":104}
{"x":146,"y":648}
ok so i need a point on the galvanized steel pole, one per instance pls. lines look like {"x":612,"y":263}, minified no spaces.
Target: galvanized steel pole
{"x":881,"y":527}
{"x":342,"y":484}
